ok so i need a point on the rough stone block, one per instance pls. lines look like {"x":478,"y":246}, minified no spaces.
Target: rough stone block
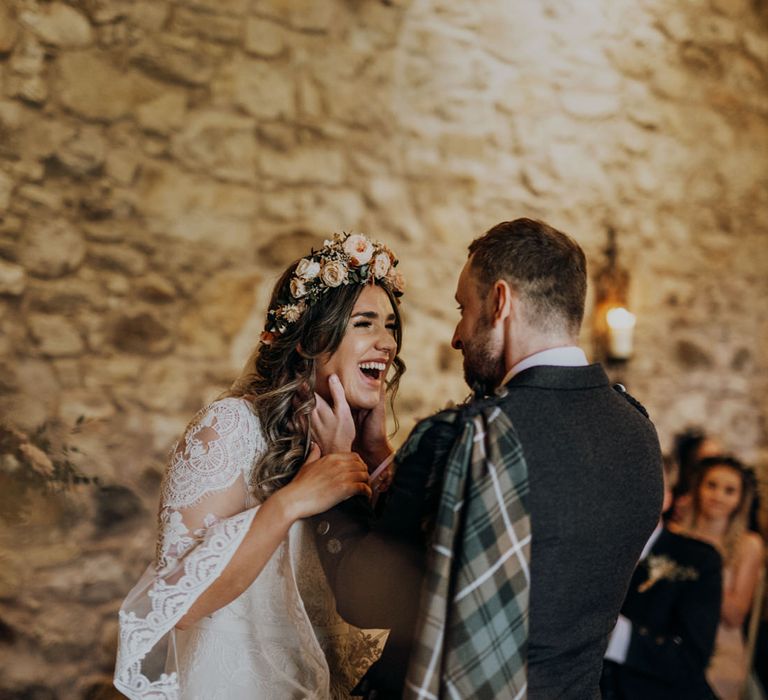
{"x":6,"y":187}
{"x":265,"y":90}
{"x":264,"y":38}
{"x":590,"y":105}
{"x":108,"y":94}
{"x":306,"y":15}
{"x":173,"y":58}
{"x":316,"y":164}
{"x":9,"y":29}
{"x":55,"y":336}
{"x":163,"y":114}
{"x":58,"y":24}
{"x":141,"y":332}
{"x":13,"y":279}
{"x":51,"y":248}
{"x":219,"y":143}
{"x":117,"y":258}
{"x":207,"y":25}
{"x":32,"y":89}
{"x":230,"y":7}
{"x":157,"y":289}
{"x":84,"y":154}
{"x":121,"y":165}
{"x":195,"y":208}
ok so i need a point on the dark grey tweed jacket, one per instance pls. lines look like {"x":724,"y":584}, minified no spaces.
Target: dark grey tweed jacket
{"x":594,"y":467}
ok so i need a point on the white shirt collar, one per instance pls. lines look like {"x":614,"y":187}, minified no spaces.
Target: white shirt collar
{"x":567,"y":356}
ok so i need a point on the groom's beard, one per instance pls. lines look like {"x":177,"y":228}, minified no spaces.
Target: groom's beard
{"x":483,"y":360}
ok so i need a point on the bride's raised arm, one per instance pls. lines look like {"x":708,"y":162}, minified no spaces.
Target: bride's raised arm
{"x":211,"y":545}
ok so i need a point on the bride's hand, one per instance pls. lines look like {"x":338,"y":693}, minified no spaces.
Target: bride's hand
{"x":371,"y":435}
{"x":333,"y":427}
{"x":322,"y":482}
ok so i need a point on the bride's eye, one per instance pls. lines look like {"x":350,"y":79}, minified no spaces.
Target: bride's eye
{"x":362,"y":324}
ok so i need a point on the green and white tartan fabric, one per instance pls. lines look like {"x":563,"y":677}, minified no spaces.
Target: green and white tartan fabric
{"x":472,"y":631}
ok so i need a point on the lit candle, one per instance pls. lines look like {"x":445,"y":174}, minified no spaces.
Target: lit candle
{"x":621,"y":324}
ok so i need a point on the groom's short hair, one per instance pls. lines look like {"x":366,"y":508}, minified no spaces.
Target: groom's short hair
{"x":544,"y":266}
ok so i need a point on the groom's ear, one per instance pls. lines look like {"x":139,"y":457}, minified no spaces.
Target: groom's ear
{"x":503,"y":300}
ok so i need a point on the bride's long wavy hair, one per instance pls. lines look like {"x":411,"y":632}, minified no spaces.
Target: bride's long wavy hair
{"x":279,"y":378}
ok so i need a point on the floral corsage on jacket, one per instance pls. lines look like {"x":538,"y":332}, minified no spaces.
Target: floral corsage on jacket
{"x":661,"y":567}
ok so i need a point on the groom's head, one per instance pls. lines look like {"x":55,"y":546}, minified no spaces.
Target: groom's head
{"x":521,"y":290}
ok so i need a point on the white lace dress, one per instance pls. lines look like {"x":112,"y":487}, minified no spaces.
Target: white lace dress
{"x":281,"y":638}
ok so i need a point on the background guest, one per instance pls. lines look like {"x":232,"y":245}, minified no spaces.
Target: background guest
{"x":665,"y":634}
{"x":690,"y":447}
{"x":723,"y":491}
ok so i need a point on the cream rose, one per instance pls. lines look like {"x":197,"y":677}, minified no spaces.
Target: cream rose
{"x":381,"y":264}
{"x":359,"y":249}
{"x":334,"y":273}
{"x":307,"y":269}
{"x":298,"y":288}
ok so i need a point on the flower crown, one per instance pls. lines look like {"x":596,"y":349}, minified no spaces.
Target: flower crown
{"x":345,"y":259}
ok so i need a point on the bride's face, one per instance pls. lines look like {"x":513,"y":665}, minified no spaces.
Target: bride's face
{"x":365,"y":354}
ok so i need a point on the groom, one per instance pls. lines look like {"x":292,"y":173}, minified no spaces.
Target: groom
{"x":593,"y":468}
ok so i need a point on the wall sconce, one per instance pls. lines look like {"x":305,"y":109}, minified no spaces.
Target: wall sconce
{"x":614,"y":324}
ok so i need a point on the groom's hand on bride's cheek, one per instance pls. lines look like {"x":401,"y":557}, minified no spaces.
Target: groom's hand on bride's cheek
{"x":371,"y":440}
{"x":332,"y":424}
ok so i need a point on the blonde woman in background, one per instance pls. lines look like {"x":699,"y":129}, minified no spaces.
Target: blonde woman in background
{"x":722,"y":496}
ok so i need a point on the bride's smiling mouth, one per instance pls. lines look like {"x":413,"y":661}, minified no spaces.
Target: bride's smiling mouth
{"x":373,"y":371}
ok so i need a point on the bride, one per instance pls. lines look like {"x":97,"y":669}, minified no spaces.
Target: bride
{"x":235,"y":605}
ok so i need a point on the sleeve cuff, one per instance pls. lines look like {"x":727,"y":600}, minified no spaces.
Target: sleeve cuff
{"x":618,"y":645}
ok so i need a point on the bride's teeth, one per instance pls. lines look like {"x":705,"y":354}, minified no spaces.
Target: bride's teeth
{"x":373,"y":365}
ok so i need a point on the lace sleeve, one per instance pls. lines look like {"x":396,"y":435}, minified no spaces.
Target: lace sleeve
{"x":202,"y":521}
{"x":207,"y":477}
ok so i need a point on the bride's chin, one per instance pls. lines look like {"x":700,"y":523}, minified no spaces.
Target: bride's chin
{"x":358,"y":404}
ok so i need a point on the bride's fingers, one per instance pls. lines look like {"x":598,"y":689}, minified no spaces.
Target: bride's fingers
{"x":322,"y":408}
{"x":340,"y":404}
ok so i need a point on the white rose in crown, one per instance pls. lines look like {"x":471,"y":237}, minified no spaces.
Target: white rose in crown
{"x":307,"y":269}
{"x":298,"y":288}
{"x":359,"y":249}
{"x":334,"y":273}
{"x":381,"y":265}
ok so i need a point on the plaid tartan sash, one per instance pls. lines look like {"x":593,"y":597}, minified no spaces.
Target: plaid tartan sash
{"x":472,"y":631}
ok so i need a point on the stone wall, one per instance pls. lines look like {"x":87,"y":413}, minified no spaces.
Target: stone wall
{"x":160,"y":162}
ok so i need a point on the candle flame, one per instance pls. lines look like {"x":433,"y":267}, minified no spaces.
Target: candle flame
{"x":619,"y":317}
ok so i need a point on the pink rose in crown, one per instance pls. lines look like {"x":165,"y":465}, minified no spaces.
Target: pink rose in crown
{"x":381,"y":265}
{"x":397,"y":281}
{"x":359,"y":249}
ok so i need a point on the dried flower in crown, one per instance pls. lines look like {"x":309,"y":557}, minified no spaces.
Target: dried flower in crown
{"x":345,"y":259}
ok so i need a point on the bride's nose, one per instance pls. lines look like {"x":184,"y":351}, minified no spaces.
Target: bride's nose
{"x":386,"y":343}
